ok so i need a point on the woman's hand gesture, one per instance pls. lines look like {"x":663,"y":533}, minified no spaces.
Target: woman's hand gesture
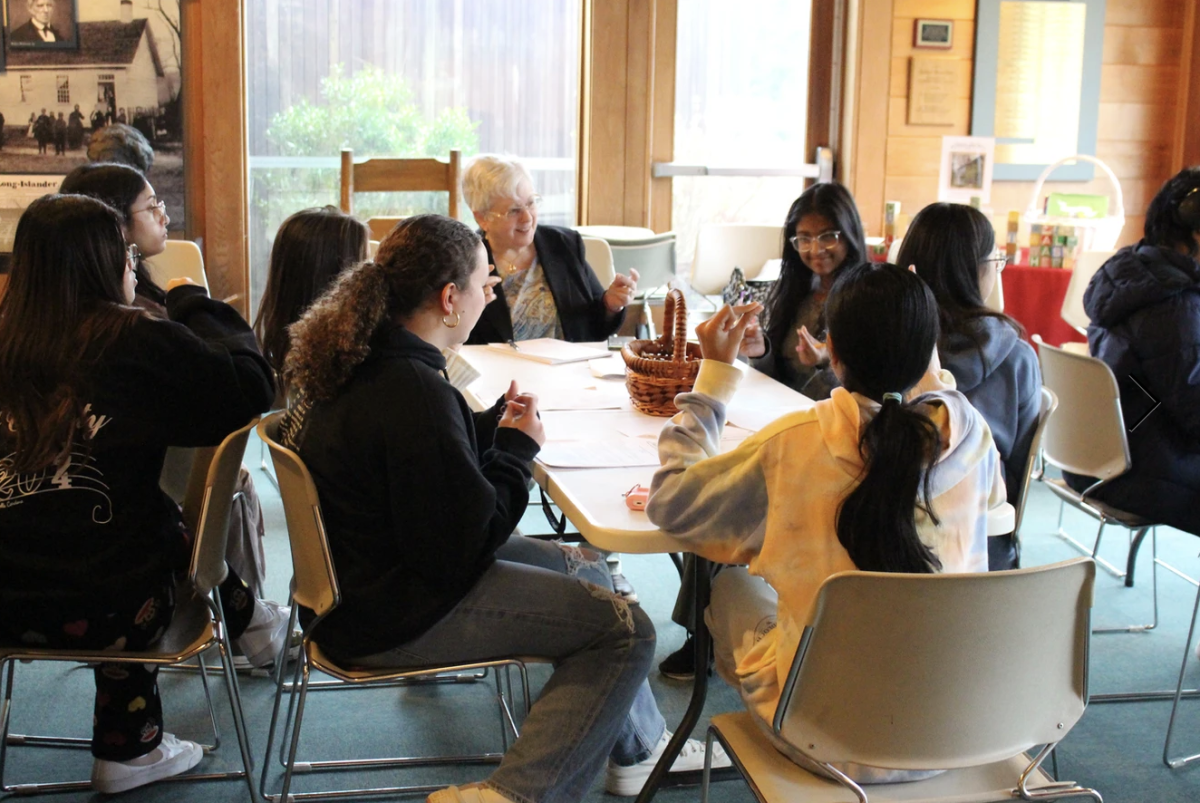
{"x":621,"y":291}
{"x":721,"y":335}
{"x":812,"y":352}
{"x":754,"y":344}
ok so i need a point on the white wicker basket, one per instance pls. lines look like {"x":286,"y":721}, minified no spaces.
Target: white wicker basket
{"x":1095,"y":234}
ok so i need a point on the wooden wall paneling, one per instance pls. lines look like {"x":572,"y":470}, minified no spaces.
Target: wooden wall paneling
{"x":606,"y":136}
{"x":1186,"y":147}
{"x":1143,"y":13}
{"x":873,"y":56}
{"x":821,"y":128}
{"x":215,"y":143}
{"x":639,"y":112}
{"x":662,"y":131}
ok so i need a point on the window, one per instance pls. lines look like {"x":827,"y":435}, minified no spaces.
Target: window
{"x":405,"y":79}
{"x":26,"y":87}
{"x":741,"y":100}
{"x":64,"y":89}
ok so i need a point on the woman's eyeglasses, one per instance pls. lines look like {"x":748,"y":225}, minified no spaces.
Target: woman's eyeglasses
{"x":159,"y":208}
{"x":132,"y":255}
{"x":825,"y":241}
{"x":997,"y":260}
{"x":514,"y":212}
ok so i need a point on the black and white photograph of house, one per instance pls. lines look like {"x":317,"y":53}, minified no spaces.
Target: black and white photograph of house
{"x":62,"y":107}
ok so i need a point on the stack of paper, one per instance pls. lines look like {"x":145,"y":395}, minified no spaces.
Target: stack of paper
{"x":548,"y":350}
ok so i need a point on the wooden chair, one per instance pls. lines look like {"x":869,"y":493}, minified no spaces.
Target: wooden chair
{"x":197,"y":627}
{"x":400,"y":175}
{"x":962,"y":672}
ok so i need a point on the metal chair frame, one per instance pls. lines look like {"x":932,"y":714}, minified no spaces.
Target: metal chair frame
{"x":197,"y":627}
{"x":316,"y":587}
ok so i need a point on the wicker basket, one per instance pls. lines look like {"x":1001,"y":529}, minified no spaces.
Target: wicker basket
{"x":660,"y":369}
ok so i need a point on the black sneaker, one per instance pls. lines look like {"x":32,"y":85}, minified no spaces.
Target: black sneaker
{"x":681,"y":664}
{"x":624,"y":588}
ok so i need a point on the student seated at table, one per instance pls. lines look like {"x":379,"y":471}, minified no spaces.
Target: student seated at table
{"x":144,"y":222}
{"x":144,"y":218}
{"x":311,"y":248}
{"x":547,"y":288}
{"x":92,"y":392}
{"x":420,"y":498}
{"x":1144,"y":306}
{"x":879,"y":477}
{"x":952,"y":247}
{"x":822,"y":234}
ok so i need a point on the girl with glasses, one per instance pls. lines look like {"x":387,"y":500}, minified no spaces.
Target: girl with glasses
{"x":543,"y":284}
{"x":144,"y":217}
{"x":952,"y":247}
{"x":144,"y":225}
{"x":822,"y":234}
{"x":92,"y":392}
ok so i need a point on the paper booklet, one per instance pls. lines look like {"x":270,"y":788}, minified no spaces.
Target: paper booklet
{"x":459,"y":369}
{"x":549,"y":351}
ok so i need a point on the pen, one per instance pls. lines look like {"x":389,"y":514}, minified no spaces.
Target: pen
{"x":514,"y":345}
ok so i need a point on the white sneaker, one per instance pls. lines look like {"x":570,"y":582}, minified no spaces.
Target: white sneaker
{"x":172,"y":757}
{"x":467,"y":793}
{"x":628,"y":781}
{"x":266,"y":633}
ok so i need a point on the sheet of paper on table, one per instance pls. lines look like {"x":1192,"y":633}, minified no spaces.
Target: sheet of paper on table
{"x":550,"y":351}
{"x":610,"y":453}
{"x":611,"y":367}
{"x":754,"y":418}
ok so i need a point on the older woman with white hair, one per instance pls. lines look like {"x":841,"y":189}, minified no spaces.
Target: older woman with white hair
{"x":546,"y":287}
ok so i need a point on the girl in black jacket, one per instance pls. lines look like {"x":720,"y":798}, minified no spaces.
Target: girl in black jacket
{"x":420,"y":498}
{"x":92,"y":391}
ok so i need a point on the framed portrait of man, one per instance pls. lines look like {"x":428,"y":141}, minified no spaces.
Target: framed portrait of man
{"x":38,"y":24}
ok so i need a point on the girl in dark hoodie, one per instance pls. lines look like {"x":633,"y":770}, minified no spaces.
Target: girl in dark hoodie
{"x":952,"y":246}
{"x":1144,"y":306}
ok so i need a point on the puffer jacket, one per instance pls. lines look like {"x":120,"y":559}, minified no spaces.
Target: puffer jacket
{"x":1144,"y":306}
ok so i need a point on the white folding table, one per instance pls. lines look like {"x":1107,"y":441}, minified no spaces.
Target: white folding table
{"x":592,"y":498}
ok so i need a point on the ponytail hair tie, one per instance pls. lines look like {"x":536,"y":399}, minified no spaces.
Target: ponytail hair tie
{"x":893,"y":396}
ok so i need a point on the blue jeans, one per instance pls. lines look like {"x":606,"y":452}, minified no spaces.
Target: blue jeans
{"x":554,"y":601}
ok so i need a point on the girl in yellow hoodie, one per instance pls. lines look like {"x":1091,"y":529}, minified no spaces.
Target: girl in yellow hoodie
{"x":863,"y":480}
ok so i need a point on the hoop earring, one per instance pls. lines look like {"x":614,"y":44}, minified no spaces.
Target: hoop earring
{"x":457,"y":320}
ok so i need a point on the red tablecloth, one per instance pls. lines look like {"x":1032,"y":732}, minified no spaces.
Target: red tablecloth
{"x":1034,"y":296}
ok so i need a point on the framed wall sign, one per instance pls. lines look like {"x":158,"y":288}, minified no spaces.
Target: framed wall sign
{"x":933,"y":33}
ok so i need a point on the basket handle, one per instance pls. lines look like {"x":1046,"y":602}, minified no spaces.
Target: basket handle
{"x":675,"y":338}
{"x":1033,"y":210}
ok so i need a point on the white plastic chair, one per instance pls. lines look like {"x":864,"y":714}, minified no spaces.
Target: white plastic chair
{"x":181,"y":258}
{"x":1087,"y":437}
{"x":995,"y":299}
{"x":653,"y":257}
{"x":962,"y":672}
{"x":721,"y":248}
{"x":1072,"y":307}
{"x":600,"y":257}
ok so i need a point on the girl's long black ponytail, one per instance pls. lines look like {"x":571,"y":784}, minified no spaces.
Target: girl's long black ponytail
{"x":883,"y":324}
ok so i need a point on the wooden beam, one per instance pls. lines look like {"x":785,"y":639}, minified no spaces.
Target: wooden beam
{"x":215,"y":143}
{"x":1187,"y":134}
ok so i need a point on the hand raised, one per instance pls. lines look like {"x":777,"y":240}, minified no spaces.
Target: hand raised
{"x":521,"y":412}
{"x":812,"y":352}
{"x":621,"y":291}
{"x":721,"y":335}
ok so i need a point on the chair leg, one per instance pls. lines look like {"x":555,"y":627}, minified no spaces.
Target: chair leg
{"x":234,"y":693}
{"x":1051,"y":791}
{"x":1095,"y":548}
{"x":1134,"y":544}
{"x":1175,"y":763}
{"x":265,"y":466}
{"x":6,"y":678}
